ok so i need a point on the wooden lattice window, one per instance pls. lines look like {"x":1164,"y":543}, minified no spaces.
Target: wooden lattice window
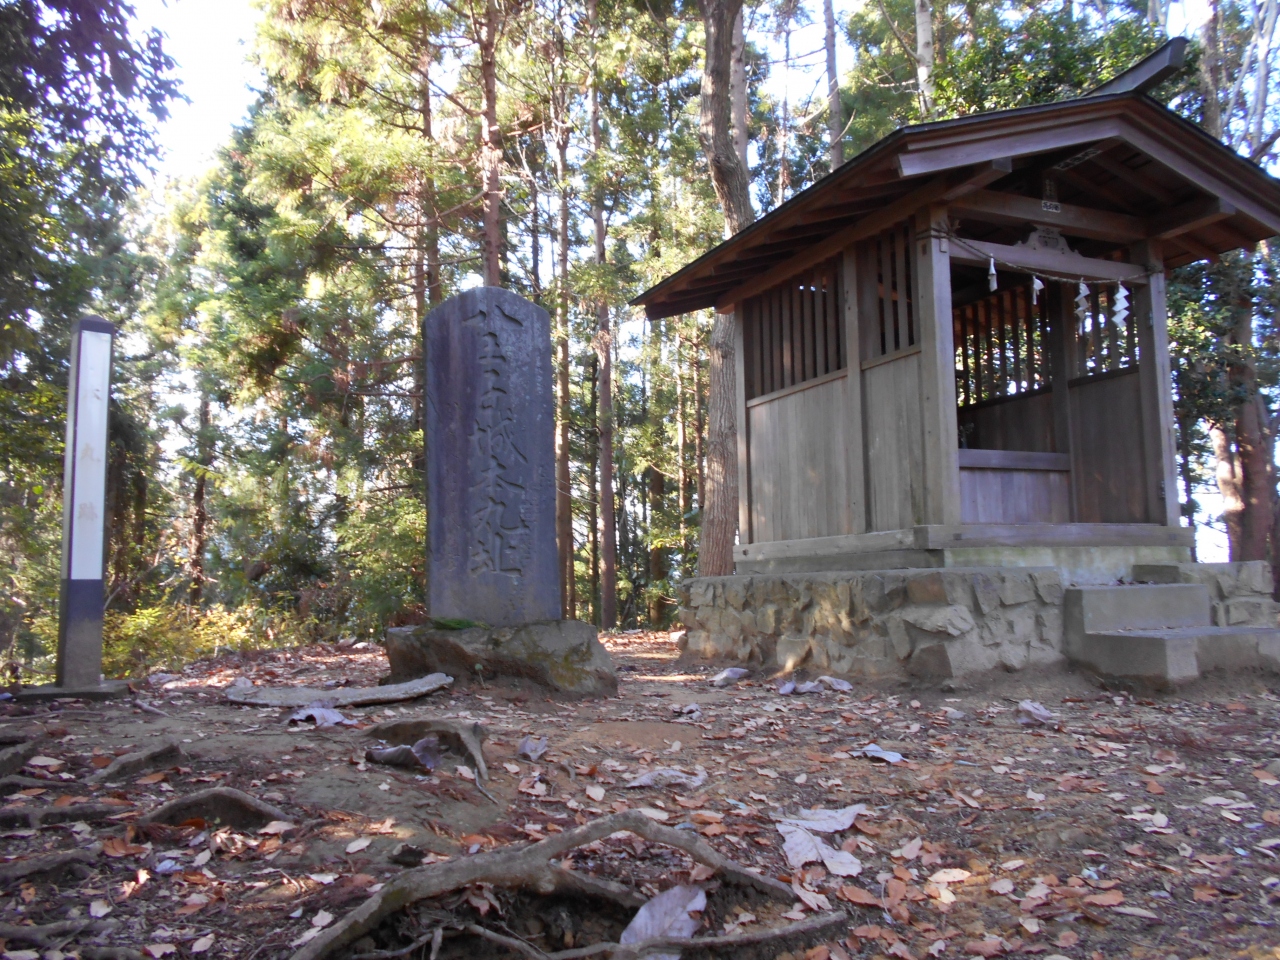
{"x":893,"y":324}
{"x":794,"y":332}
{"x":1001,"y":346}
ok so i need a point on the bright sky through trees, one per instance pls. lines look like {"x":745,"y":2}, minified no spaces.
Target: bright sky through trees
{"x":210,"y":40}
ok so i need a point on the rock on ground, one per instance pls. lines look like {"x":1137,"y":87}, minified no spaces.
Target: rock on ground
{"x":562,"y":655}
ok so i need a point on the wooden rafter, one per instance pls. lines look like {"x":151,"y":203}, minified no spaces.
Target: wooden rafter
{"x":1075,"y":220}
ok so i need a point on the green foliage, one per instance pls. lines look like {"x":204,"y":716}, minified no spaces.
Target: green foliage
{"x":166,"y":635}
{"x":78,"y":90}
{"x":381,"y":549}
{"x":989,"y":56}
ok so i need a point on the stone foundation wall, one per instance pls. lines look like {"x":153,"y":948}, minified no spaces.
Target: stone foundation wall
{"x":923,"y":622}
{"x":885,"y":623}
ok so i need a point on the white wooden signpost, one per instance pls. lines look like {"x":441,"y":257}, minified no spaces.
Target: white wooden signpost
{"x":84,"y":489}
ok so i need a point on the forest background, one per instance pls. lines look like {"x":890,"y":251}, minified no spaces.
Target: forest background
{"x":265,"y":471}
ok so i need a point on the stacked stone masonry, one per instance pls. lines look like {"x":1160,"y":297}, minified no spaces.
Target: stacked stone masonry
{"x":920,"y":622}
{"x":1239,"y":592}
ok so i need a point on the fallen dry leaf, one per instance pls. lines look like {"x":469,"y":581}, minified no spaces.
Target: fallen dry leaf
{"x":118,"y":847}
{"x":1111,"y":898}
{"x":988,"y":947}
{"x":858,"y":896}
{"x":911,"y":849}
{"x":1137,"y":912}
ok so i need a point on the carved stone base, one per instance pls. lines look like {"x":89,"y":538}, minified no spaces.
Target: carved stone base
{"x":561,"y":655}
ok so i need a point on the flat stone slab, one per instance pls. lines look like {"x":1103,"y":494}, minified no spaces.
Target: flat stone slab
{"x":563,"y":655}
{"x":339,"y":696}
{"x":107,"y":690}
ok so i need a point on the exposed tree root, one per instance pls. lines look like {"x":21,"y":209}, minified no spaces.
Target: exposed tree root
{"x":462,"y":738}
{"x":49,"y":863}
{"x":217,"y":805}
{"x":54,"y":936}
{"x":166,"y":754}
{"x":532,"y":868}
{"x":37,"y":817}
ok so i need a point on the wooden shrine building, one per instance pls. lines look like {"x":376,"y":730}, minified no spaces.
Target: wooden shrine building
{"x":953,"y":349}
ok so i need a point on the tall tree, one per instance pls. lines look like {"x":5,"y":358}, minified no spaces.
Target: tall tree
{"x":604,"y":346}
{"x":729,"y":177}
{"x":835,"y":114}
{"x":487,"y":23}
{"x":924,"y":57}
{"x":1230,"y":308}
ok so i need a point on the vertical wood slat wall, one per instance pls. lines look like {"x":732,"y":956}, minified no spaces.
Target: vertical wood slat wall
{"x":794,"y":332}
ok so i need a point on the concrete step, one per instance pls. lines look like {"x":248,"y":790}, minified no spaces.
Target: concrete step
{"x":1143,"y":606}
{"x":1170,"y":656}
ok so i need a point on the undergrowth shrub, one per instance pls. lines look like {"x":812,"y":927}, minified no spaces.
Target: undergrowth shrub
{"x":165,"y":635}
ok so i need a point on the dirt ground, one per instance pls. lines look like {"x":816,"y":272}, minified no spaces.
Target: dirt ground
{"x":1131,"y":825}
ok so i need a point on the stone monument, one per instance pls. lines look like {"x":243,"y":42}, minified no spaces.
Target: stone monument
{"x":493,"y":569}
{"x":491,"y":460}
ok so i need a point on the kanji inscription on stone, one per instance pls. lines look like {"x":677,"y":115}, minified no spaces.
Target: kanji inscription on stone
{"x":490,"y":436}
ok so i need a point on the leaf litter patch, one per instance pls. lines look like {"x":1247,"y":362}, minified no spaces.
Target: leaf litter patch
{"x":537,"y":901}
{"x":1036,"y":815}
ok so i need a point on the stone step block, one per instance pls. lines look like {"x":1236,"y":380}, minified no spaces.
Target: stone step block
{"x":1149,"y":657}
{"x":1134,"y":607}
{"x":1171,"y":656}
{"x":1238,"y":648}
